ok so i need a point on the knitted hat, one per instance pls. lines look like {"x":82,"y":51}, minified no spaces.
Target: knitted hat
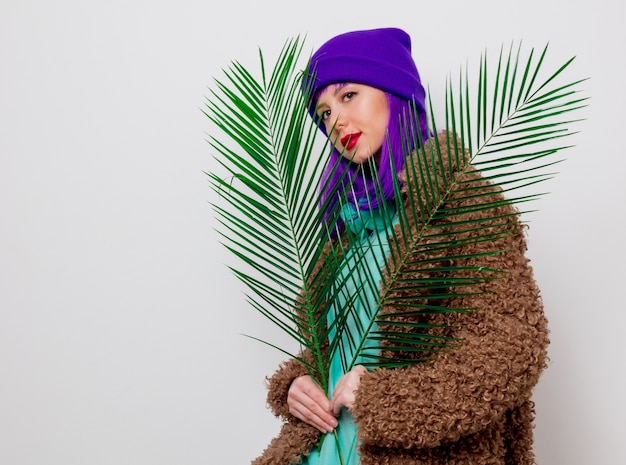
{"x":379,"y":58}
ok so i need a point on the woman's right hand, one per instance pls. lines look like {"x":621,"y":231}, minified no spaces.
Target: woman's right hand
{"x":308,"y":402}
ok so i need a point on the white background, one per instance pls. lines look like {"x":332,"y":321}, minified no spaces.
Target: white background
{"x":120,"y":325}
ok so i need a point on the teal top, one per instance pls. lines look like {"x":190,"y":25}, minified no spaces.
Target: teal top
{"x":360,"y":277}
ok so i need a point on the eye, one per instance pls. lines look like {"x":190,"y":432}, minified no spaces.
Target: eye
{"x":349,"y":95}
{"x":324,"y":115}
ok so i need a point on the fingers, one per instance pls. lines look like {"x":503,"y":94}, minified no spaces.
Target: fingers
{"x":344,"y":393}
{"x":308,"y":402}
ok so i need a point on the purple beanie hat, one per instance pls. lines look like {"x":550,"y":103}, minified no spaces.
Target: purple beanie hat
{"x":379,"y":58}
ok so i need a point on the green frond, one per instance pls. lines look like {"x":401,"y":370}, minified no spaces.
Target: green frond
{"x":266,"y":145}
{"x":454,"y":207}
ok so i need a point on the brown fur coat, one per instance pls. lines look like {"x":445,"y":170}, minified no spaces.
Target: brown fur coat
{"x":471,"y":405}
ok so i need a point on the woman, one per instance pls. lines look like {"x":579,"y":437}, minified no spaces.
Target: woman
{"x":468,"y":405}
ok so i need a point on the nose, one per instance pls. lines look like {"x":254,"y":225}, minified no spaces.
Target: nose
{"x":340,"y":122}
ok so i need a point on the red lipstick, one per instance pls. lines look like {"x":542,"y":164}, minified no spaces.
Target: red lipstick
{"x":350,"y":140}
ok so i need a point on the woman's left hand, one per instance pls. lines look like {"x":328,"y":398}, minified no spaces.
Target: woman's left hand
{"x":345,"y":389}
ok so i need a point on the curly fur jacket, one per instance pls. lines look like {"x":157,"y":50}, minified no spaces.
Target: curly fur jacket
{"x":470,"y":405}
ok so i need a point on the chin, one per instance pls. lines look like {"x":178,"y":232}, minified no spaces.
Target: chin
{"x":358,"y":160}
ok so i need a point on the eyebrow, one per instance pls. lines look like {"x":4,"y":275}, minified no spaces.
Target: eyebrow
{"x":334,"y":88}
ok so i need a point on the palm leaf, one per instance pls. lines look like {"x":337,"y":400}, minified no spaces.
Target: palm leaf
{"x":509,"y":129}
{"x":270,"y":221}
{"x":512,"y":139}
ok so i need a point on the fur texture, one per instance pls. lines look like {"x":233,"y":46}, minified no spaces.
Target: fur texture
{"x":470,"y":405}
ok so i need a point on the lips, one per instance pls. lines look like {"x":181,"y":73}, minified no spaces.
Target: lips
{"x":350,"y":140}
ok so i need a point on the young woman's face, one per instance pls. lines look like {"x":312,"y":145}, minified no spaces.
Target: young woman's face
{"x":355,"y":117}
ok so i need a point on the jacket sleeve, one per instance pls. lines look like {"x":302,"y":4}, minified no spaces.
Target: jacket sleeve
{"x":296,"y":438}
{"x":278,"y":387}
{"x":495,"y":367}
{"x":499,"y":360}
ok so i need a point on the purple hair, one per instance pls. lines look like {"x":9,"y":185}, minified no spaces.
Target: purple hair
{"x":342,"y":178}
{"x":380,"y":58}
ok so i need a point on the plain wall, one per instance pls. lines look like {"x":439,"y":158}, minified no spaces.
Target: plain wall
{"x":120,"y":325}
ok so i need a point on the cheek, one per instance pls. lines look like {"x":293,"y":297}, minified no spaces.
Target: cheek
{"x":382,"y":132}
{"x":381,"y":118}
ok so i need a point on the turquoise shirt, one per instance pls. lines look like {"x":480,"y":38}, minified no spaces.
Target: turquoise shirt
{"x":360,"y":275}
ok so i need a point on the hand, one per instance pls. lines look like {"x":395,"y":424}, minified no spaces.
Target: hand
{"x":308,"y":402}
{"x":345,"y":389}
